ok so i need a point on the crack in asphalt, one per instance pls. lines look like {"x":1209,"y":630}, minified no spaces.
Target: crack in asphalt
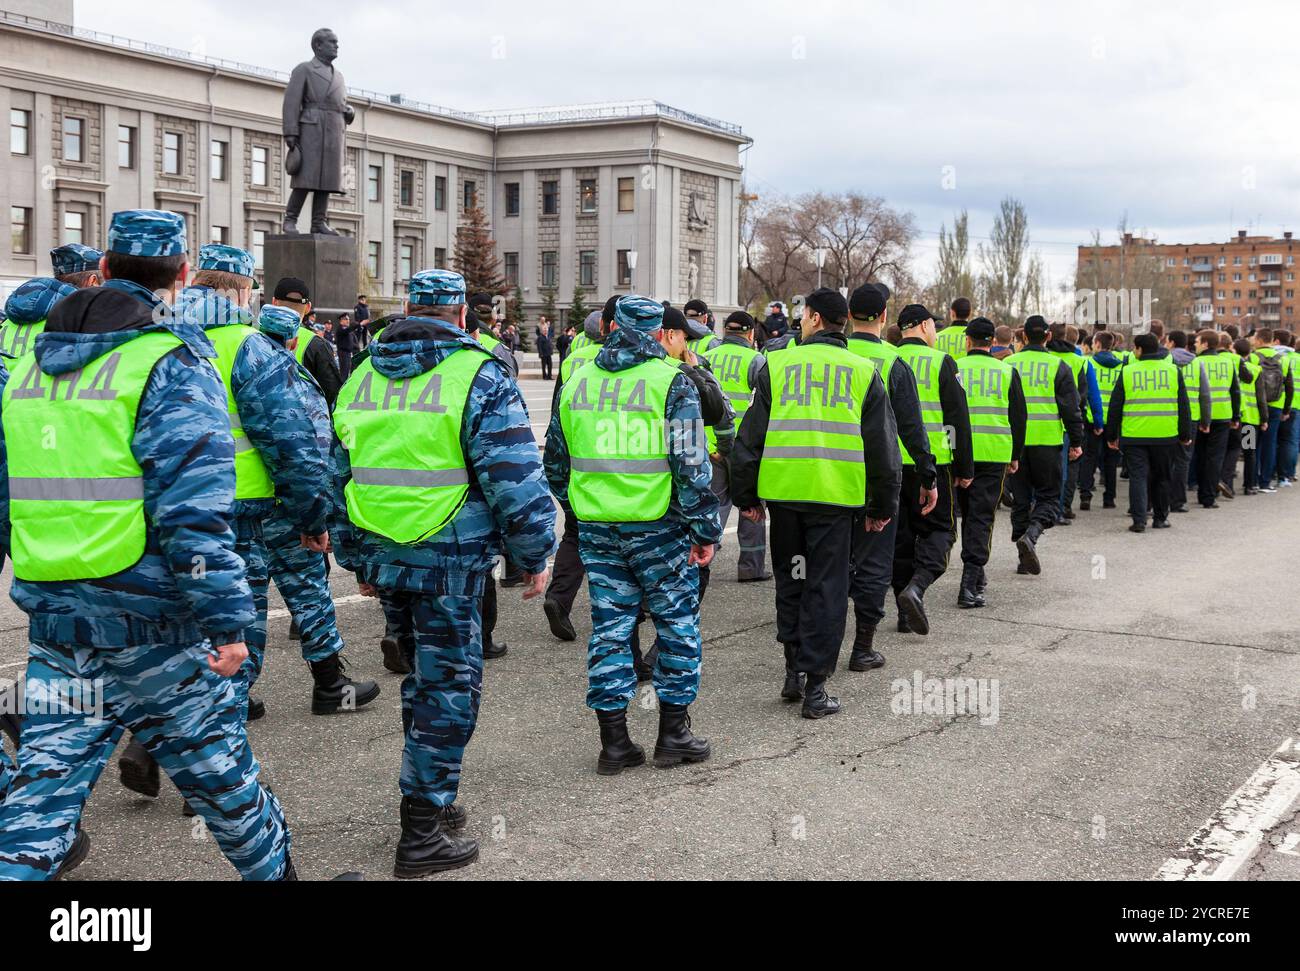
{"x":1142,"y":634}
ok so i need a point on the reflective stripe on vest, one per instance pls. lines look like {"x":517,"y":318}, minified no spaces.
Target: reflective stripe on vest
{"x":409,"y":477}
{"x":813,"y":448}
{"x":952,"y":341}
{"x":1249,"y":401}
{"x":987,"y":382}
{"x":252,"y":480}
{"x":1150,"y":399}
{"x":19,"y":339}
{"x":615,"y":426}
{"x":731,"y":364}
{"x":1220,"y":369}
{"x":1038,"y":372}
{"x":76,"y":492}
{"x":926,"y":364}
{"x":1107,"y":377}
{"x":576,"y":359}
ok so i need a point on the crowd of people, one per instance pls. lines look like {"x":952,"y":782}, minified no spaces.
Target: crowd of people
{"x":168,"y":452}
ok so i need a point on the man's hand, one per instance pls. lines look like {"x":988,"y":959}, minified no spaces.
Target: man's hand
{"x":291,"y":141}
{"x":962,"y":483}
{"x":1075,"y":453}
{"x":317,"y":544}
{"x":1264,"y":427}
{"x":367,"y":589}
{"x":1114,"y":446}
{"x":876,"y":525}
{"x":1013,"y":468}
{"x":1186,"y":444}
{"x":1204,"y":429}
{"x":701,"y":555}
{"x":930,"y":498}
{"x":535,"y":583}
{"x":226,"y":659}
{"x":754,"y":515}
{"x":1235,"y":424}
{"x":1099,"y":431}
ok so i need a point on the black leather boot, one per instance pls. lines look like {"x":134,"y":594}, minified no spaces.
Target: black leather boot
{"x":968,"y":596}
{"x":792,"y":690}
{"x":76,"y":854}
{"x":335,"y":691}
{"x":816,"y":702}
{"x":1026,"y":546}
{"x":138,"y":771}
{"x":492,"y":650}
{"x":865,"y":657}
{"x":395,"y":654}
{"x":426,"y":847}
{"x":911,"y":608}
{"x":676,"y":744}
{"x":982,"y":584}
{"x":558,"y":618}
{"x":294,"y":633}
{"x":617,"y":750}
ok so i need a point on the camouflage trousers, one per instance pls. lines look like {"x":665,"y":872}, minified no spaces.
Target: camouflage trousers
{"x":182,"y":712}
{"x":302,"y":580}
{"x":251,"y":547}
{"x":442,"y":638}
{"x":628,"y":565}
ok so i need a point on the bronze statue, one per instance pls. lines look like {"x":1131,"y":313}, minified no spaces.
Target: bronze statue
{"x":316,"y":116}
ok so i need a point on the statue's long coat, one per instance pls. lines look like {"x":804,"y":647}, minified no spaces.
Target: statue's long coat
{"x":313,"y":112}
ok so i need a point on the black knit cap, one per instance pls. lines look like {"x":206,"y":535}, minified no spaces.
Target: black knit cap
{"x":830,"y":304}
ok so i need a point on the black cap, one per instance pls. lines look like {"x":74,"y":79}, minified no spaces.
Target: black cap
{"x":1036,"y":326}
{"x":912,"y":315}
{"x":830,"y":304}
{"x":868,"y":301}
{"x":982,"y":329}
{"x":739,"y":322}
{"x":674,"y":319}
{"x":607,"y":314}
{"x":480,"y":300}
{"x":291,"y":288}
{"x":696,"y":307}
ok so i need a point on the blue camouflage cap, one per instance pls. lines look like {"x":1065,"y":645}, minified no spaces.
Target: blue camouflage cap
{"x":31,"y":302}
{"x":436,"y":288}
{"x":226,"y":259}
{"x":279,"y":322}
{"x":147,"y":232}
{"x":639,"y":313}
{"x":75,"y":258}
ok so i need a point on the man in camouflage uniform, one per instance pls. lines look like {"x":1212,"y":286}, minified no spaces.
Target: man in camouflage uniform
{"x":162,"y":639}
{"x":630,"y":562}
{"x":25,"y":312}
{"x":77,"y":265}
{"x":426,"y":534}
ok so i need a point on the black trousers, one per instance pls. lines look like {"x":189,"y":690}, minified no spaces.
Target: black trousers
{"x":1211,"y":447}
{"x":1231,"y":456}
{"x":872,"y":570}
{"x":1098,"y":458}
{"x":1036,"y":489}
{"x":979,"y":504}
{"x":320,"y":204}
{"x":546,"y":367}
{"x":568,"y":573}
{"x":1249,"y":457}
{"x":810,"y":559}
{"x":923,"y":543}
{"x":1150,"y":468}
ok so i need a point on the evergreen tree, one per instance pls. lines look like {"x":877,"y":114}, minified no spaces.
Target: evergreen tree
{"x":548,"y":310}
{"x":578,"y":311}
{"x":476,"y":258}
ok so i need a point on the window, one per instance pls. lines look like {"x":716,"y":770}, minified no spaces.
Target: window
{"x":1236,"y":261}
{"x":512,"y":269}
{"x":626,"y":194}
{"x":373,"y":253}
{"x":406,"y":188}
{"x":260,"y":168}
{"x":217,"y":167}
{"x":125,"y":147}
{"x":587,"y":194}
{"x":220,"y":234}
{"x":587,"y":268}
{"x":550,"y":265}
{"x":440,"y":193}
{"x":20,"y":223}
{"x":406,"y":262}
{"x":1236,"y":278}
{"x":550,"y":198}
{"x":1171,"y":262}
{"x":374,"y":180}
{"x":259,"y":246}
{"x":20,"y":132}
{"x":74,"y":227}
{"x":470,"y":197}
{"x":74,"y":130}
{"x":512,"y":198}
{"x":439,"y":258}
{"x":1223,"y":261}
{"x":624,"y":270}
{"x":171,"y":153}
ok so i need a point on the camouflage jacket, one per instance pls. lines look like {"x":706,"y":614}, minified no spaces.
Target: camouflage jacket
{"x":275,"y":413}
{"x":693,"y":503}
{"x":508,"y":502}
{"x":190,"y":583}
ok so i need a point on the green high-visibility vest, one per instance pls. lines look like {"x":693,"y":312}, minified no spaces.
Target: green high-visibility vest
{"x":952,"y":341}
{"x":305,"y":335}
{"x":926,"y":364}
{"x":702,"y":344}
{"x":1294,"y":360}
{"x":488,"y":342}
{"x":731,"y":364}
{"x":883,"y":355}
{"x":813,"y":448}
{"x":1272,"y":352}
{"x":1193,"y":374}
{"x":615,"y":426}
{"x":17,"y":339}
{"x":1220,"y":369}
{"x":1107,"y":378}
{"x":576,"y":359}
{"x":580,"y":341}
{"x":1150,"y":399}
{"x":1249,"y":403}
{"x":76,"y":492}
{"x":252,"y":480}
{"x":1038,"y":381}
{"x":987,"y":382}
{"x":1077,"y":363}
{"x":409,"y":477}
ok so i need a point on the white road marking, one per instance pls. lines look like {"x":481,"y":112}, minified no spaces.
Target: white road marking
{"x":280,"y":613}
{"x":1290,"y":845}
{"x":1232,"y":835}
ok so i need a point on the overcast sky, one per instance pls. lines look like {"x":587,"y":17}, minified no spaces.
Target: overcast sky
{"x":1178,"y":114}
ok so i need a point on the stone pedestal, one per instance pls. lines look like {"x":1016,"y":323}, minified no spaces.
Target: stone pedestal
{"x":327,"y":264}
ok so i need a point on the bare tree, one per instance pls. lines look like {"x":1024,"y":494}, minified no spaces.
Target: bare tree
{"x":1006,"y":262}
{"x":774,"y":255}
{"x":954,"y":277}
{"x":864,"y":239}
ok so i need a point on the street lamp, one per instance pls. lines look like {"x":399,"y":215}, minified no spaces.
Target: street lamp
{"x":631,"y":268}
{"x":819,"y":255}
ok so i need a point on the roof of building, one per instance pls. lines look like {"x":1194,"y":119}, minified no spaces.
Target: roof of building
{"x":504,"y":118}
